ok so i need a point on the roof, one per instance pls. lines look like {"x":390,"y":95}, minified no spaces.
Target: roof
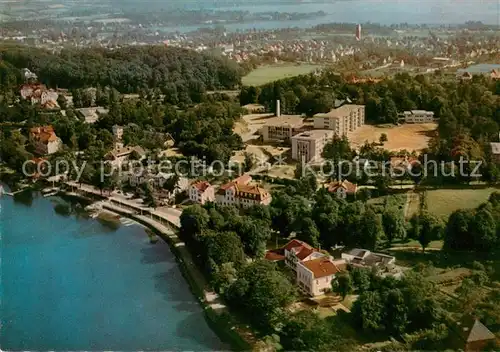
{"x":495,"y":148}
{"x":350,"y":187}
{"x":357,"y":252}
{"x":314,"y":134}
{"x":44,"y":134}
{"x":275,"y":255}
{"x":251,"y":192}
{"x":115,"y":153}
{"x":201,"y":186}
{"x":296,"y":121}
{"x":242,"y":180}
{"x":341,"y":111}
{"x":321,"y":267}
{"x":473,"y":330}
{"x":302,"y":250}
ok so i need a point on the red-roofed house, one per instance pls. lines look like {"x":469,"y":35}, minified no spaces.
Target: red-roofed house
{"x":39,"y":94}
{"x":314,"y":269}
{"x":201,"y":192}
{"x":315,"y":276}
{"x":239,"y":192}
{"x":343,"y":188}
{"x":297,"y":251}
{"x":45,"y":140}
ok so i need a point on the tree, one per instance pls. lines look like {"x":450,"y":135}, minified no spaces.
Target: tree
{"x":261,"y":292}
{"x":485,"y":229}
{"x":254,"y":234}
{"x":308,"y":232}
{"x":306,"y":331}
{"x":383,"y":138}
{"x":194,"y":221}
{"x":369,"y":229}
{"x":360,"y":279}
{"x":393,"y":223}
{"x":458,"y":232}
{"x":62,"y":102}
{"x":225,"y":247}
{"x":342,"y":285}
{"x":368,"y":311}
{"x":249,"y":161}
{"x":223,"y":277}
{"x":425,"y":228}
{"x":396,"y":319}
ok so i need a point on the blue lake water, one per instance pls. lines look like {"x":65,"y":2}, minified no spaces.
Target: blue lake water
{"x":361,"y":11}
{"x":481,"y":68}
{"x":70,"y":283}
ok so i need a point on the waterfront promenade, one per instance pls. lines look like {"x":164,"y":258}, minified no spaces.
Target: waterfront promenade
{"x":165,"y":221}
{"x":162,"y":214}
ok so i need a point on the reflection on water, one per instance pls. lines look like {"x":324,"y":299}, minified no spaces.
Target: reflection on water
{"x":25,"y":197}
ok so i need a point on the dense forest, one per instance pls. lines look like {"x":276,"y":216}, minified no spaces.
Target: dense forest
{"x":127,"y":69}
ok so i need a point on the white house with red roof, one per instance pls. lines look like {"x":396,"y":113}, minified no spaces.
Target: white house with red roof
{"x":315,"y":270}
{"x":315,"y":276}
{"x":240,"y":192}
{"x":201,"y":192}
{"x":45,"y":140}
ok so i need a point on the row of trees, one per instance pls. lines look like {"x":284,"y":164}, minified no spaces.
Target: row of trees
{"x":475,"y":229}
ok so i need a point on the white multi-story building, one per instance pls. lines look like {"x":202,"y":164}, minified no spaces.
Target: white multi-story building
{"x":281,"y":128}
{"x":201,"y":192}
{"x":418,"y":116}
{"x":342,"y":120}
{"x":45,"y":140}
{"x":240,"y":193}
{"x":308,"y":146}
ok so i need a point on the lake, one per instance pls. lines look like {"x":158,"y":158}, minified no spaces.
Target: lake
{"x":71,"y":283}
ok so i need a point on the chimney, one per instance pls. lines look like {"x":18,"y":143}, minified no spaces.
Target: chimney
{"x":278,"y":109}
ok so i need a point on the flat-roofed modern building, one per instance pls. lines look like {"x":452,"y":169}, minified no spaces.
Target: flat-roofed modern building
{"x":281,"y":128}
{"x":418,"y":116}
{"x":308,"y":146}
{"x":342,"y":120}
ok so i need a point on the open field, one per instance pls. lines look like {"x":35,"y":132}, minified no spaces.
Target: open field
{"x":443,"y":202}
{"x":407,"y":136}
{"x":266,"y":74}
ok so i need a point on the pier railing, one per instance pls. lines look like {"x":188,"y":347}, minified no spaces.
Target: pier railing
{"x":171,"y":218}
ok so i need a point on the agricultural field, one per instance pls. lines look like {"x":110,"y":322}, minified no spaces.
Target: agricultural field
{"x":412,"y":137}
{"x":443,"y":202}
{"x":270,"y":73}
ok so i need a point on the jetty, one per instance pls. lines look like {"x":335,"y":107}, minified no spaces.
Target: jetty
{"x":2,"y":191}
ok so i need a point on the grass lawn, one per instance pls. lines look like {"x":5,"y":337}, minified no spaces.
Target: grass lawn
{"x":415,"y":243}
{"x":443,"y":202}
{"x":270,"y":73}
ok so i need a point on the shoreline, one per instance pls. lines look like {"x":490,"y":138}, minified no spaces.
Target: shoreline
{"x":218,"y":322}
